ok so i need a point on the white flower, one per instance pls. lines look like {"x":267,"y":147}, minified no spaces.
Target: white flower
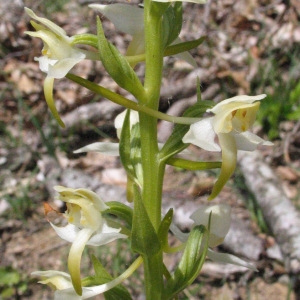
{"x":230,"y":124}
{"x":86,"y":227}
{"x":59,"y":55}
{"x":220,"y":219}
{"x":219,"y":224}
{"x":61,"y":283}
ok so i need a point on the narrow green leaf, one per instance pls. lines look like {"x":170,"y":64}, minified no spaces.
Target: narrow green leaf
{"x":164,"y":228}
{"x":184,"y":46}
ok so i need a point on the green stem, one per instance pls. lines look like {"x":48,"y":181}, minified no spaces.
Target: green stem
{"x":116,"y":98}
{"x":153,"y":170}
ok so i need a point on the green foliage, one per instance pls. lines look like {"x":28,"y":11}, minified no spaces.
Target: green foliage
{"x":282,"y":105}
{"x":52,"y":6}
{"x":281,"y":78}
{"x":11,"y":283}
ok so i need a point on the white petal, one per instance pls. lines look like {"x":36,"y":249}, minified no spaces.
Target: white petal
{"x":68,"y":294}
{"x":102,"y":147}
{"x":248,"y":141}
{"x":219,"y":224}
{"x":60,"y":280}
{"x":52,"y":26}
{"x":67,"y":233}
{"x":183,"y":237}
{"x":229,"y":259}
{"x":126,"y":18}
{"x":45,"y":62}
{"x":241,"y":98}
{"x":62,"y":67}
{"x":105,"y":236}
{"x":202,"y":135}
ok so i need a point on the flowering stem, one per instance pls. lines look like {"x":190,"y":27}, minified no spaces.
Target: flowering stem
{"x":153,"y":169}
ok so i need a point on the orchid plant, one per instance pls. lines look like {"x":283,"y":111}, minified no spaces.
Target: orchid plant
{"x":155,"y":27}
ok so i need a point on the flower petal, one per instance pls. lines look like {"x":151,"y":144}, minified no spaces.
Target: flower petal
{"x":241,"y":98}
{"x":229,"y":159}
{"x":63,"y":66}
{"x":52,"y":26}
{"x":105,"y":236}
{"x":67,"y":233}
{"x":219,"y":224}
{"x":102,"y":147}
{"x":202,"y":135}
{"x":126,"y":18}
{"x":229,"y":259}
{"x":235,"y":116}
{"x":74,"y":258}
{"x":248,"y":141}
{"x":58,"y":280}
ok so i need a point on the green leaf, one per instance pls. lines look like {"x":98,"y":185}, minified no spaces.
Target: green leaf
{"x":125,"y":146}
{"x":117,"y":66}
{"x":184,"y":46}
{"x":9,"y":277}
{"x":144,"y":239}
{"x":172,"y":23}
{"x":101,"y":277}
{"x":190,"y":264}
{"x":174,"y":144}
{"x":164,"y":228}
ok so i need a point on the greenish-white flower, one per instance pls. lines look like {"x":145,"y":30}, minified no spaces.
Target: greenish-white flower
{"x":217,"y":219}
{"x":86,"y":226}
{"x":59,"y":55}
{"x":230,"y":126}
{"x":64,"y":290}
